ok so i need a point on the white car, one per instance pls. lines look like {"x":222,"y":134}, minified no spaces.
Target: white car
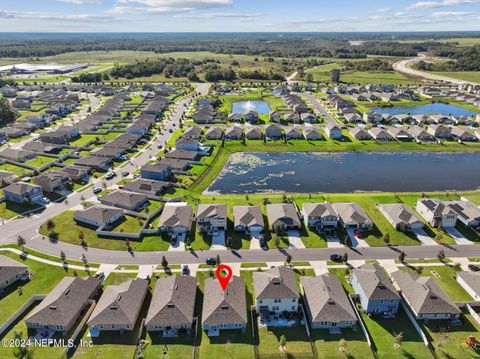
{"x":45,"y":200}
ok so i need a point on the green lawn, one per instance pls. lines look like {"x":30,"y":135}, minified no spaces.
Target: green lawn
{"x":171,"y":348}
{"x":19,"y":171}
{"x":44,"y":279}
{"x":327,"y":345}
{"x":9,"y":209}
{"x":448,"y":340}
{"x":40,"y":161}
{"x":119,"y":278}
{"x":461,"y":75}
{"x":383,"y":333}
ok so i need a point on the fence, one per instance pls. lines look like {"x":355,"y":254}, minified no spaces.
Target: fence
{"x":80,"y":326}
{"x":362,"y":326}
{"x":20,"y":312}
{"x":473,"y":313}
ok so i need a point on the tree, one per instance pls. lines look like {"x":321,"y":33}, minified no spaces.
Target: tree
{"x":50,"y":225}
{"x":386,"y":239}
{"x":401,"y":256}
{"x":21,"y":242}
{"x":164,"y":262}
{"x":288,"y":260}
{"x":217,"y":260}
{"x":457,"y":267}
{"x":127,"y":244}
{"x":419,"y":269}
{"x":342,"y":345}
{"x":441,"y":255}
{"x":63,"y":256}
{"x":84,"y":259}
{"x":345,"y":257}
{"x":229,"y":242}
{"x":283,"y":341}
{"x":399,"y":339}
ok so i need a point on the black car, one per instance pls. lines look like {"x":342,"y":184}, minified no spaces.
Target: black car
{"x":211,"y":261}
{"x":336,"y":258}
{"x":185,"y":270}
{"x":473,"y":268}
{"x":125,"y":173}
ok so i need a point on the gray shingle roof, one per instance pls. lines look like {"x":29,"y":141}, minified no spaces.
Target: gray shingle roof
{"x":120,"y":304}
{"x":9,"y":268}
{"x":319,"y":209}
{"x":399,"y":213}
{"x":277,"y":283}
{"x":173,"y":302}
{"x":99,"y":214}
{"x":424,"y":294}
{"x":247,"y":216}
{"x":64,"y":302}
{"x":173,"y":216}
{"x":351,"y":213}
{"x":375,"y":282}
{"x":327,"y":299}
{"x":472,"y":279}
{"x":284,"y":212}
{"x":229,"y":306}
{"x":212,"y":211}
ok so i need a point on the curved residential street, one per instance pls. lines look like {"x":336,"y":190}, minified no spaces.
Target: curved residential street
{"x":405,"y":67}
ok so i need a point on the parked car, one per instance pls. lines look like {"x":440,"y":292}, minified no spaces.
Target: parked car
{"x":110,"y":175}
{"x":97,"y":190}
{"x":185,"y":270}
{"x":125,"y":173}
{"x":473,"y":268}
{"x":159,"y":147}
{"x":45,"y":200}
{"x":358,"y":233}
{"x":336,"y":258}
{"x":99,"y":275}
{"x":211,"y":261}
{"x":170,"y":130}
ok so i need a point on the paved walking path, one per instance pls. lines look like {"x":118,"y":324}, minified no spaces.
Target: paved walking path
{"x":389,"y":265}
{"x":320,"y":267}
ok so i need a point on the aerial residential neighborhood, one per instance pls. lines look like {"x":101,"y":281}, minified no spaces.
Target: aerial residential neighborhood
{"x":239,"y":179}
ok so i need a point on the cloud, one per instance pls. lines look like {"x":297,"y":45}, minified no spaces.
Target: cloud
{"x":82,"y":2}
{"x":383,"y":10}
{"x":153,"y":7}
{"x":444,"y":14}
{"x":43,"y":16}
{"x":435,"y":4}
{"x":220,"y":15}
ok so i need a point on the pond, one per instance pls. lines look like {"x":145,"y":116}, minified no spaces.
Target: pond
{"x":243,"y":107}
{"x":345,"y":172}
{"x":430,"y":109}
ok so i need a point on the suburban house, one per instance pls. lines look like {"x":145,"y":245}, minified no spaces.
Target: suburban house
{"x":360,"y":134}
{"x":319,"y":216}
{"x":119,"y":306}
{"x":351,"y":215}
{"x":176,"y":218}
{"x":23,"y":193}
{"x":401,"y":217}
{"x":248,"y":219}
{"x":212,"y":217}
{"x":233,"y":133}
{"x":312,"y":134}
{"x":275,"y":292}
{"x":148,"y":187}
{"x":377,"y":293}
{"x":11,"y":271}
{"x":53,"y":181}
{"x":172,"y":307}
{"x":333,"y":131}
{"x":124,"y":199}
{"x":380,"y":134}
{"x":470,"y":281}
{"x":399,"y":133}
{"x":425,"y":298}
{"x":7,"y":178}
{"x":461,"y":134}
{"x":94,"y":163}
{"x":214,"y":133}
{"x":273,"y":131}
{"x":326,"y":303}
{"x":176,"y":164}
{"x":224,"y":309}
{"x":183,"y":155}
{"x":188,"y":144}
{"x":98,"y":216}
{"x":436,"y":213}
{"x":293,"y":133}
{"x":274,"y":117}
{"x":282,"y":217}
{"x":16,"y":155}
{"x":467,"y":212}
{"x":158,"y":172}
{"x":253,"y":133}
{"x":419,"y":134}
{"x":439,"y":131}
{"x":76,"y":173}
{"x":61,"y":308}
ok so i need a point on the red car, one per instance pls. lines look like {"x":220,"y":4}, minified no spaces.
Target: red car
{"x":358,"y":234}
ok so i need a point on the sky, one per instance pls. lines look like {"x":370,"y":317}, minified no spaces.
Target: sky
{"x":237,"y":15}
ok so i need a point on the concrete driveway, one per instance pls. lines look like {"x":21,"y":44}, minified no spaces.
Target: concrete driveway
{"x":356,"y":242}
{"x":179,"y":245}
{"x":457,"y":236}
{"x":218,"y":241}
{"x":294,"y":240}
{"x":424,"y":238}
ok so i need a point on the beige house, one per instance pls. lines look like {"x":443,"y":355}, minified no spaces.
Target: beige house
{"x":283,"y":216}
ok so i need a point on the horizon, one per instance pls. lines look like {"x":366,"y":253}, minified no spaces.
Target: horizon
{"x":207,"y":16}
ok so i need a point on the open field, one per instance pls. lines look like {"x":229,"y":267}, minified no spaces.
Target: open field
{"x":461,"y":75}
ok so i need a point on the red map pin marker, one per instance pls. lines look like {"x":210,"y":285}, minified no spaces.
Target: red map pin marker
{"x":224,"y":274}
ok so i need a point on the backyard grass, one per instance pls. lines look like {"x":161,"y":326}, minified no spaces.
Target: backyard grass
{"x":449,"y":341}
{"x":19,"y":171}
{"x":161,"y":347}
{"x":44,"y":278}
{"x":40,"y":161}
{"x":9,"y":210}
{"x":118,"y":278}
{"x":327,"y":344}
{"x":384,"y":331}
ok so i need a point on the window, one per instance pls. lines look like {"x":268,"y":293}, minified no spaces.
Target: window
{"x":260,"y":301}
{"x":381,"y":301}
